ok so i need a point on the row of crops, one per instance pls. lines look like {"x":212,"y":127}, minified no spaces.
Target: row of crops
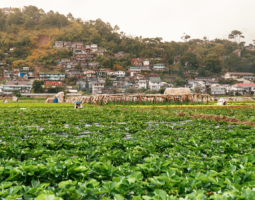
{"x":105,"y":153}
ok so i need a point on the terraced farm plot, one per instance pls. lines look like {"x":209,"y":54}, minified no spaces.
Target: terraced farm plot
{"x":121,"y":153}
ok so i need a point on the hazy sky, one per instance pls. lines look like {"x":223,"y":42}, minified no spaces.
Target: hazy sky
{"x":168,"y":19}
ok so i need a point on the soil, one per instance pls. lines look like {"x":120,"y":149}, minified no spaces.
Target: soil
{"x":43,"y":39}
{"x":209,"y":117}
{"x":36,"y":70}
{"x":203,"y":107}
{"x":218,"y":118}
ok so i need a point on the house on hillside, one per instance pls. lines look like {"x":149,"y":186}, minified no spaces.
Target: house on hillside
{"x":238,"y":52}
{"x":58,"y":76}
{"x":208,"y":80}
{"x":93,"y":65}
{"x":219,"y":90}
{"x":7,"y":74}
{"x":110,"y":72}
{"x":120,"y":54}
{"x":68,"y":45}
{"x":120,"y":73}
{"x":145,"y":68}
{"x":100,"y":52}
{"x":2,"y":63}
{"x":59,"y":44}
{"x":54,"y":83}
{"x":159,"y":67}
{"x":249,"y":77}
{"x":235,"y":89}
{"x":235,"y":75}
{"x":200,"y":85}
{"x":81,"y":83}
{"x":176,"y":59}
{"x":242,"y":80}
{"x":93,"y":47}
{"x":248,"y":88}
{"x":133,"y":70}
{"x":137,"y":62}
{"x":97,"y":87}
{"x":21,"y":86}
{"x":9,"y":10}
{"x":142,"y":84}
{"x":154,"y":83}
{"x":89,"y":73}
{"x":146,"y":63}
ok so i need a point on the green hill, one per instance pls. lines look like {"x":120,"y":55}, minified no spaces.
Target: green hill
{"x":30,"y":35}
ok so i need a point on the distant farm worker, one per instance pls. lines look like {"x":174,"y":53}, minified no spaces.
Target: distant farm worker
{"x":78,"y":105}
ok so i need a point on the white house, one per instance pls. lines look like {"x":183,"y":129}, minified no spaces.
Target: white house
{"x":146,"y":63}
{"x":236,"y":89}
{"x":120,"y":73}
{"x":235,"y":75}
{"x":159,"y":67}
{"x":135,"y":69}
{"x":93,"y":47}
{"x":247,"y":87}
{"x":218,"y":90}
{"x":97,"y":87}
{"x":154,"y":83}
{"x":142,"y":84}
{"x":199,"y":84}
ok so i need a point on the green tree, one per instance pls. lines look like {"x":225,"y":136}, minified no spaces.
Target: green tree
{"x":201,"y":71}
{"x":218,"y":50}
{"x":213,"y":63}
{"x":233,"y":62}
{"x":179,"y":82}
{"x":237,"y":35}
{"x":2,"y":20}
{"x":190,"y":58}
{"x":162,"y":90}
{"x":15,"y":18}
{"x":197,"y":90}
{"x":37,"y":86}
{"x":33,"y":13}
{"x":108,"y":82}
{"x":29,"y":22}
{"x":70,"y":16}
{"x":185,"y":37}
{"x":16,"y":93}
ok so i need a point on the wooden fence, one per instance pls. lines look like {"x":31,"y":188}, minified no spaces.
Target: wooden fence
{"x":141,"y":99}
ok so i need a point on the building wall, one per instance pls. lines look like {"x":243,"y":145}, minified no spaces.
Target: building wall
{"x":154,"y":86}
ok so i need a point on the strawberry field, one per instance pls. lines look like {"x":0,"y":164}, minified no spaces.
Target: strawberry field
{"x":125,"y":153}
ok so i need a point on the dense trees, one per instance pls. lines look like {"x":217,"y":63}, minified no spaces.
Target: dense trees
{"x":213,"y":63}
{"x":189,"y":59}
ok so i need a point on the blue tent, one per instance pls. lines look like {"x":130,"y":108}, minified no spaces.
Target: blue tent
{"x":77,"y":102}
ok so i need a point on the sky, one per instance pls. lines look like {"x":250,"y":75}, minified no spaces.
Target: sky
{"x":168,"y":19}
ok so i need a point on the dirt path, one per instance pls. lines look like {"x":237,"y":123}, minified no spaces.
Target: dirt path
{"x":43,"y":39}
{"x":202,"y":116}
{"x":217,"y":118}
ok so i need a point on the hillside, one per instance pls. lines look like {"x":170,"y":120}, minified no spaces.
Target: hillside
{"x":27,"y":37}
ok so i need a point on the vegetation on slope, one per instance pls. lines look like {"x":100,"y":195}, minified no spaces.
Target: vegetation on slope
{"x":32,"y":32}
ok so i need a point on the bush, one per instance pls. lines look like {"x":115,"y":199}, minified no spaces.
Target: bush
{"x":162,"y":90}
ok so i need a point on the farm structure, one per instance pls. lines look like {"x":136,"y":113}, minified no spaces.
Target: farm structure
{"x":141,"y":98}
